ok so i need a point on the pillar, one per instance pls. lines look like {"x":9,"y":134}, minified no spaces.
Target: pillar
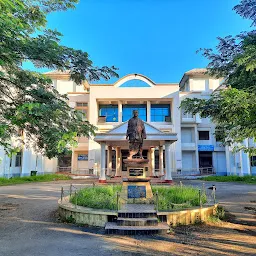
{"x":120,"y":112}
{"x":74,"y":162}
{"x":161,"y":161}
{"x":228,"y":167}
{"x":118,"y":162}
{"x":245,"y":160}
{"x":148,"y":111}
{"x":152,"y":161}
{"x":197,"y":153}
{"x":149,"y":166}
{"x":26,"y":158}
{"x":102,"y":178}
{"x":109,"y":171}
{"x":168,"y":162}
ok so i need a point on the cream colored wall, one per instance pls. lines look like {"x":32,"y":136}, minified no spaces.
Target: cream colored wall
{"x":65,"y":86}
{"x":167,"y":93}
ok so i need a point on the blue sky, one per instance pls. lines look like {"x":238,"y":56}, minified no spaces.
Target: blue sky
{"x":157,"y":38}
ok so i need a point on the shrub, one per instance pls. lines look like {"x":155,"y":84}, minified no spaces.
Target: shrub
{"x":98,"y":197}
{"x":232,"y":178}
{"x":39,"y":178}
{"x":104,"y":197}
{"x":177,"y":197}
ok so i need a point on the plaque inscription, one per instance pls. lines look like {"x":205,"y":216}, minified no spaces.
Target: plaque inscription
{"x":136,"y":172}
{"x":136,"y":191}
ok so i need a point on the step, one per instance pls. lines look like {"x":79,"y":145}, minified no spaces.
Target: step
{"x":137,"y":221}
{"x":113,"y":228}
{"x":123,"y":214}
{"x":138,"y":208}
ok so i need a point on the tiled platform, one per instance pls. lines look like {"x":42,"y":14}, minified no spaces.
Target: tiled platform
{"x":138,"y":208}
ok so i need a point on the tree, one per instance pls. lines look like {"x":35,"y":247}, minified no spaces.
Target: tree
{"x":233,"y":106}
{"x":28,"y":101}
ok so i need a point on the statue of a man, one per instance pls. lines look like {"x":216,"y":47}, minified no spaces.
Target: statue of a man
{"x":136,"y":133}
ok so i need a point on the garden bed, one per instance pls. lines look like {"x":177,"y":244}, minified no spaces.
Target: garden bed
{"x":169,"y":198}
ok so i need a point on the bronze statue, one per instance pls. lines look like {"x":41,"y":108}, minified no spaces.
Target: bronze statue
{"x":136,"y":133}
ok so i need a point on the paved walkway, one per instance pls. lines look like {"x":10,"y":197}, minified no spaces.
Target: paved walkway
{"x":29,"y":227}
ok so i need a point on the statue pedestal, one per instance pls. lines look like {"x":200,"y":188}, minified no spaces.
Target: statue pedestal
{"x":136,"y":188}
{"x":136,"y":167}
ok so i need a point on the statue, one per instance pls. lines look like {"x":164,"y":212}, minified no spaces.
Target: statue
{"x":136,"y":133}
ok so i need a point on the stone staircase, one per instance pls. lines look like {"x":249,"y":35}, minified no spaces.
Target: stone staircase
{"x":134,"y":219}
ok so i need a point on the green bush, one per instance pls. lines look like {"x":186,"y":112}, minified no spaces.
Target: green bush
{"x":232,"y":178}
{"x":39,"y":178}
{"x":98,"y":197}
{"x":178,"y":197}
{"x":174,"y":197}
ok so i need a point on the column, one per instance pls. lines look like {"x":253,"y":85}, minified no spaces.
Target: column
{"x":149,"y":166}
{"x":109,"y":171}
{"x":161,"y":161}
{"x":228,"y":160}
{"x":26,"y":156}
{"x":74,"y":162}
{"x":197,"y":154}
{"x":152,"y":161}
{"x":102,"y":178}
{"x":168,"y":162}
{"x":148,"y":111}
{"x":120,"y":111}
{"x":245,"y":160}
{"x":118,"y":162}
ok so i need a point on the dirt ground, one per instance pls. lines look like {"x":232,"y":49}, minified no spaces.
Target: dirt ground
{"x":29,"y":226}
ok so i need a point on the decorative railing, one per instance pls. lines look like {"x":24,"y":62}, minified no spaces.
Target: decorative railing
{"x":84,"y":171}
{"x":64,"y":169}
{"x":207,"y":170}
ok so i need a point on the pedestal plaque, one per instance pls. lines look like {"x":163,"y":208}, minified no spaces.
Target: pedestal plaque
{"x":136,"y":172}
{"x":136,"y":191}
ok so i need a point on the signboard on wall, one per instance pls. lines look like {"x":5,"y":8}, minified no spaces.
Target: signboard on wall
{"x":205,"y":148}
{"x":83,"y":157}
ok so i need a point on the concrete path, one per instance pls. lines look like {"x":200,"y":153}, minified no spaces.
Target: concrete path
{"x":239,"y":199}
{"x":29,"y":227}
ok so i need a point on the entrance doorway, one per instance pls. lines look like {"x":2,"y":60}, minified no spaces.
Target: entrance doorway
{"x":205,"y":162}
{"x":64,"y":163}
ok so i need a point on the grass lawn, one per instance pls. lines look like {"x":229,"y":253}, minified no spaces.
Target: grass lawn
{"x":27,"y":179}
{"x":233,"y":178}
{"x":169,"y":198}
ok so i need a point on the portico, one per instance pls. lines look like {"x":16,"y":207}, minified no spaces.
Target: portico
{"x":158,"y":144}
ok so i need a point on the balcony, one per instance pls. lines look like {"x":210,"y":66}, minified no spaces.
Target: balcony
{"x":188,"y":120}
{"x":188,"y":146}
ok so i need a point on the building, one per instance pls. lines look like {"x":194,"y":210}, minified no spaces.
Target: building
{"x":177,"y":143}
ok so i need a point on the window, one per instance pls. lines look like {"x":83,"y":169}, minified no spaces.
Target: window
{"x":204,"y":135}
{"x":135,"y":83}
{"x":253,"y":161}
{"x":81,"y":104}
{"x":110,"y":112}
{"x":18,"y":159}
{"x":83,"y":113}
{"x":128,"y":109}
{"x":159,"y":112}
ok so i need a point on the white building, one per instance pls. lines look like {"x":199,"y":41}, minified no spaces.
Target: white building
{"x":176,"y":144}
